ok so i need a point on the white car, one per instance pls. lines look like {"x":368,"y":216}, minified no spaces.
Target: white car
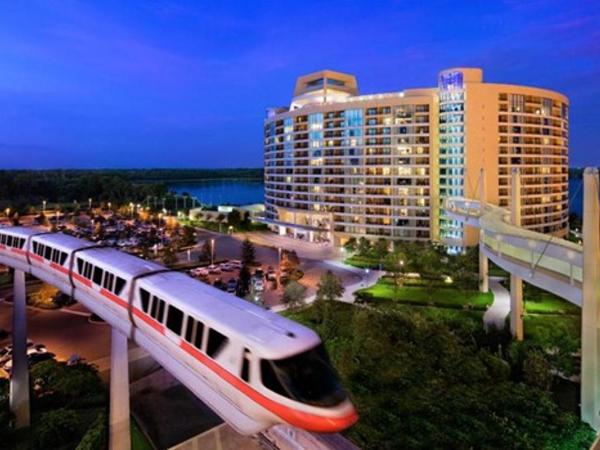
{"x":199,"y":272}
{"x":258,"y":284}
{"x":214,"y":269}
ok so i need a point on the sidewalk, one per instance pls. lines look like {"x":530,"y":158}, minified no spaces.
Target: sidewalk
{"x":496,"y":314}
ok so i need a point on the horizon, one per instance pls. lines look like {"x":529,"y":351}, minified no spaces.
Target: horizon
{"x":165,"y":85}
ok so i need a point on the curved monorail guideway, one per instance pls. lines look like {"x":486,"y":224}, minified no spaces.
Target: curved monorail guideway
{"x":567,"y":269}
{"x":253,"y":367}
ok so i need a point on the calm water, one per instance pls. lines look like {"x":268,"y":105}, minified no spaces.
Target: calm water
{"x":223,"y":192}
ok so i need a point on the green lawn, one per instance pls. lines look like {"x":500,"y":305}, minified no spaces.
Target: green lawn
{"x":138,"y":439}
{"x":444,"y":297}
{"x":550,"y":304}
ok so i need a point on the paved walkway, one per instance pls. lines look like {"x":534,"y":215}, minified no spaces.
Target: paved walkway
{"x":496,"y":314}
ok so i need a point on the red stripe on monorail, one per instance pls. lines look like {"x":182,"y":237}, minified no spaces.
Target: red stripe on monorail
{"x":59,"y":268}
{"x":292,"y":416}
{"x":18,"y":251}
{"x":82,"y":280}
{"x":37,"y":258}
{"x":136,"y":312}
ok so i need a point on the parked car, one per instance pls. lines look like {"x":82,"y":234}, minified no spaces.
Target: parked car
{"x":235,"y":263}
{"x":213,"y":269}
{"x":258,"y":285}
{"x":232,"y":285}
{"x":218,"y":283}
{"x":226,"y":267}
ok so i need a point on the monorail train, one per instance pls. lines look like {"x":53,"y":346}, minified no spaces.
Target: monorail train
{"x":251,"y":366}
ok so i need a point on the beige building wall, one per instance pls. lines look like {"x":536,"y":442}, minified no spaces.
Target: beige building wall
{"x":410,"y":160}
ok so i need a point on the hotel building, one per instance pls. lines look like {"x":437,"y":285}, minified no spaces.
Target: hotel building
{"x":340,"y":165}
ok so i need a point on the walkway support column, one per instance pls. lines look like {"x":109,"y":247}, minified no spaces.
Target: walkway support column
{"x":516,"y":283}
{"x":590,"y":310}
{"x":119,"y":428}
{"x":19,"y":382}
{"x":484,"y":282}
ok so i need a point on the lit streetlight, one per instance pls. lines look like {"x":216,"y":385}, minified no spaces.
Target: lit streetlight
{"x":212,"y":252}
{"x":43,"y":205}
{"x":89,"y":203}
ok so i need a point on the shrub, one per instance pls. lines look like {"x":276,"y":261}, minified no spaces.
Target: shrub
{"x":56,"y":428}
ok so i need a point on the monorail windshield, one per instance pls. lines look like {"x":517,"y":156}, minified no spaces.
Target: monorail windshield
{"x":307,"y":377}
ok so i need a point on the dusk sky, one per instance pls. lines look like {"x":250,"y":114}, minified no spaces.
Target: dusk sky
{"x":186,"y":84}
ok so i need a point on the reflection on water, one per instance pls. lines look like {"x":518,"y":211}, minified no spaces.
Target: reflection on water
{"x":222,"y":192}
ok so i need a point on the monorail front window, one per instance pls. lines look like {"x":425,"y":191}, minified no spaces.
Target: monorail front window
{"x":307,"y":378}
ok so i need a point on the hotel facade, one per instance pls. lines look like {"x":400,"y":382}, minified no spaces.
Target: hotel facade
{"x":340,"y":165}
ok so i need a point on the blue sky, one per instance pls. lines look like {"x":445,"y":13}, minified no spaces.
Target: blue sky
{"x":186,"y":84}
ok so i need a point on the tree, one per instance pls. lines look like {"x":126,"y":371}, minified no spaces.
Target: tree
{"x":293,"y":294}
{"x":330,"y":287}
{"x":248,"y":253}
{"x":169,"y":257}
{"x":289,"y":260}
{"x":57,"y":428}
{"x":381,"y":249}
{"x":244,"y":283}
{"x":189,"y":236}
{"x":364,"y":247}
{"x":350,"y":245}
{"x":537,"y":370}
{"x":234,"y":218}
{"x":394,"y":264}
{"x":206,"y":251}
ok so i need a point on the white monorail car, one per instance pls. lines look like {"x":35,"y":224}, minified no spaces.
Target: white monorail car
{"x":251,"y":366}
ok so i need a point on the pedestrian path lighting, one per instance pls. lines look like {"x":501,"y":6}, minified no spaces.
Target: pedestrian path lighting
{"x":212,"y":252}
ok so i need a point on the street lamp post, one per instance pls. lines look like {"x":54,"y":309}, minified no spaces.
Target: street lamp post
{"x":90,"y":204}
{"x":43,"y":206}
{"x":212,"y":252}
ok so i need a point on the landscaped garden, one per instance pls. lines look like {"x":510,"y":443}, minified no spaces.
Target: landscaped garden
{"x":440,"y":294}
{"x":433,"y":378}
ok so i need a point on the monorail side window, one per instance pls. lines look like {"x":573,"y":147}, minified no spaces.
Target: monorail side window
{"x":246,"y":366}
{"x":109,"y":279}
{"x":189,"y":329}
{"x":154,"y":310}
{"x":174,"y":319}
{"x":63,"y":258}
{"x":88,"y":271}
{"x":2,"y":239}
{"x":98,"y":275}
{"x":145,"y":298}
{"x":80,"y":266}
{"x":161,"y":311}
{"x":216,"y":341}
{"x":119,"y":285}
{"x":35,"y":247}
{"x":199,"y":334}
{"x":48,"y":253}
{"x":40,"y":249}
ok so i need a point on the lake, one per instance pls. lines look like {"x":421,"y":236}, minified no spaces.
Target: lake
{"x":222,"y":192}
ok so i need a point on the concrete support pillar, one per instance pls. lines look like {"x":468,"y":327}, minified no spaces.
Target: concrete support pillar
{"x":19,"y":382}
{"x":590,"y":310}
{"x":516,"y":283}
{"x":484,"y":279}
{"x":484,"y":282}
{"x":119,"y":428}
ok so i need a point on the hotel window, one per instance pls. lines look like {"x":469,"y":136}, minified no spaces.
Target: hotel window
{"x":517,"y":103}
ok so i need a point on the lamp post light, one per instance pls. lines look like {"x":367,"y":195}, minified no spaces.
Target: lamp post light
{"x":212,"y":252}
{"x":43,"y":205}
{"x":7,"y":211}
{"x":367,"y":270}
{"x":278,"y":265}
{"x":90,"y":204}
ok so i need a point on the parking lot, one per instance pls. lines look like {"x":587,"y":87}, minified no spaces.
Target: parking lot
{"x":264,"y":289}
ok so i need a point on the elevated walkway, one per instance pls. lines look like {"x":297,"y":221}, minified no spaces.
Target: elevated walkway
{"x":564,"y":268}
